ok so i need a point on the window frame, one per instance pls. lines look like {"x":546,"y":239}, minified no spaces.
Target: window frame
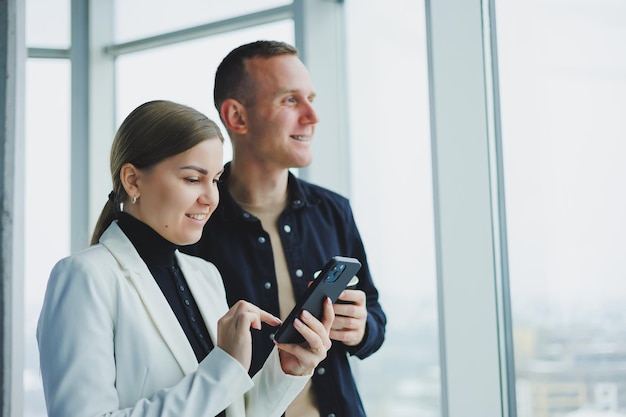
{"x":469,"y":213}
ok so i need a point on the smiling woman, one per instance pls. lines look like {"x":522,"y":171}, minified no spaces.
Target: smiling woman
{"x":132,"y":326}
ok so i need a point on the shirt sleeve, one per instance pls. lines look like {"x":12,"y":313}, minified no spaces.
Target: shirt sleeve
{"x":376,"y":318}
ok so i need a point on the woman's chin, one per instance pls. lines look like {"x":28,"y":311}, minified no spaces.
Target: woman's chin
{"x":188,"y":240}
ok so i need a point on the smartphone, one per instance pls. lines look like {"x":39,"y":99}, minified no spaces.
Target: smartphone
{"x":333,"y":279}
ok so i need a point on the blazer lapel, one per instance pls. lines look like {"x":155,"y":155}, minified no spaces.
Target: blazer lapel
{"x":153,"y":299}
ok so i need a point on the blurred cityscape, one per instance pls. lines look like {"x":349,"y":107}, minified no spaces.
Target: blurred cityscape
{"x":572,"y":366}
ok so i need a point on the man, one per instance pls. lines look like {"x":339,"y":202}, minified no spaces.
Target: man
{"x":273,"y":231}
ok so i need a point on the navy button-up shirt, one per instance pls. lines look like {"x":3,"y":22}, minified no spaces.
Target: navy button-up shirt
{"x":316,"y":225}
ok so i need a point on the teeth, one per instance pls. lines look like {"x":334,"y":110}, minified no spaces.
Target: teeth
{"x":197,"y":216}
{"x":301,"y":138}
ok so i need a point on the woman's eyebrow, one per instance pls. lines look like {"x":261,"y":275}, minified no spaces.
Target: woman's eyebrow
{"x":195,"y":168}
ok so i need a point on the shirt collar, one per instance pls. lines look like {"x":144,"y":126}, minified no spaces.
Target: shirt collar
{"x":151,"y":246}
{"x":228,"y":208}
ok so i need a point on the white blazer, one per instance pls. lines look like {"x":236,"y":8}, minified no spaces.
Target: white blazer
{"x":110,"y":344}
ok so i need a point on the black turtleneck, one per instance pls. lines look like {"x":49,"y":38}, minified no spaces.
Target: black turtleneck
{"x":159,"y":255}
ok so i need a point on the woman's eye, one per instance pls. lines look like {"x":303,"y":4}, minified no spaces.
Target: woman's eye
{"x":192,"y":179}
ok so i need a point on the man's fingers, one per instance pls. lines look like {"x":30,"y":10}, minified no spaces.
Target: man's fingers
{"x":353,"y":296}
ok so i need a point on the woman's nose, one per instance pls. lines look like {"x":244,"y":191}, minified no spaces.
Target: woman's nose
{"x":211,"y":195}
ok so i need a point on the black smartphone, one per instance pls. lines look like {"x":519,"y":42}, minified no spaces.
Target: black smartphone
{"x":333,"y":279}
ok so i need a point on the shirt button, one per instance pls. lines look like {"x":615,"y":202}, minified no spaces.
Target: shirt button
{"x":331,"y":415}
{"x":181,"y":288}
{"x":267,"y":285}
{"x":186,"y":302}
{"x":299,"y":273}
{"x":296,"y":202}
{"x":261,"y":239}
{"x":272,"y":336}
{"x":321,"y":371}
{"x":287,"y":228}
{"x":246,"y":215}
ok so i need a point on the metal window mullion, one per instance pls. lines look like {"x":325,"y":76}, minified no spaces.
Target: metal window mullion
{"x":102,"y":104}
{"x":507,"y":358}
{"x":48,"y":53}
{"x":210,"y":29}
{"x":12,"y":162}
{"x":79,"y":114}
{"x":469,"y":309}
{"x":320,"y":39}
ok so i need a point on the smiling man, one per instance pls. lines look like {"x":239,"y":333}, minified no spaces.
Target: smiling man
{"x":273,"y":231}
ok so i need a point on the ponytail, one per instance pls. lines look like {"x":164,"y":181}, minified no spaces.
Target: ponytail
{"x":109,"y":213}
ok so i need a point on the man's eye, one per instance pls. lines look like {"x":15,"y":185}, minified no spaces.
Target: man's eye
{"x":290,"y":100}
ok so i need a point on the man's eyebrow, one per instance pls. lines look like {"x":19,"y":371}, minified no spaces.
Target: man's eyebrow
{"x":295,"y":91}
{"x":195,"y":168}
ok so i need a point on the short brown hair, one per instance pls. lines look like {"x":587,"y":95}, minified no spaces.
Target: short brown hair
{"x":231,"y":80}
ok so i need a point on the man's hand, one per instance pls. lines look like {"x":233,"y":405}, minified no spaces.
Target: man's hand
{"x":350,"y":318}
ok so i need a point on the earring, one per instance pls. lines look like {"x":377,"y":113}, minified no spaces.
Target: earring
{"x":134,"y":199}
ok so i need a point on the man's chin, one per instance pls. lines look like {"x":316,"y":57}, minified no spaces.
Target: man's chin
{"x":302,"y":164}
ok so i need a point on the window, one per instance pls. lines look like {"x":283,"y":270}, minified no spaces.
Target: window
{"x":47,"y":202}
{"x":48,"y":23}
{"x":167,"y":16}
{"x":563,"y":97}
{"x":393,"y":203}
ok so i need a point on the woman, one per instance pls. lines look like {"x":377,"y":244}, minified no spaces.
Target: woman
{"x":129,"y":326}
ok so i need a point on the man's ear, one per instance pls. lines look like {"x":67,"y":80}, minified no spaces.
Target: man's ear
{"x":234,"y":116}
{"x":129,"y":176}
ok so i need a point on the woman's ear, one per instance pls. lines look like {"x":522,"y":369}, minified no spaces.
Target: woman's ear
{"x":129,"y":176}
{"x":234,"y":116}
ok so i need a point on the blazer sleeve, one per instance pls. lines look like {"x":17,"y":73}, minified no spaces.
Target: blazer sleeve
{"x":76,"y":342}
{"x":273,"y":389}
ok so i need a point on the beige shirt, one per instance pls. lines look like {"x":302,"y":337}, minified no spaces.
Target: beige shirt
{"x":304,"y":405}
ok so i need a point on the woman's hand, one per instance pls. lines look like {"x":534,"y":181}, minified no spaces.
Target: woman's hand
{"x":233,"y":330}
{"x":301,"y":359}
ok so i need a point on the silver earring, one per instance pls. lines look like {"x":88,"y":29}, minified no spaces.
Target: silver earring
{"x":134,"y":199}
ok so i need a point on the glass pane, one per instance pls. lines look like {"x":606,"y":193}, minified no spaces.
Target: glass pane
{"x":48,"y":23}
{"x":393,"y":202}
{"x":563,"y":94}
{"x":47,"y":202}
{"x":162,"y":16}
{"x":184,"y":72}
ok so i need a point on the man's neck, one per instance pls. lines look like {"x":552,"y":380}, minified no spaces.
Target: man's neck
{"x":255,"y":187}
